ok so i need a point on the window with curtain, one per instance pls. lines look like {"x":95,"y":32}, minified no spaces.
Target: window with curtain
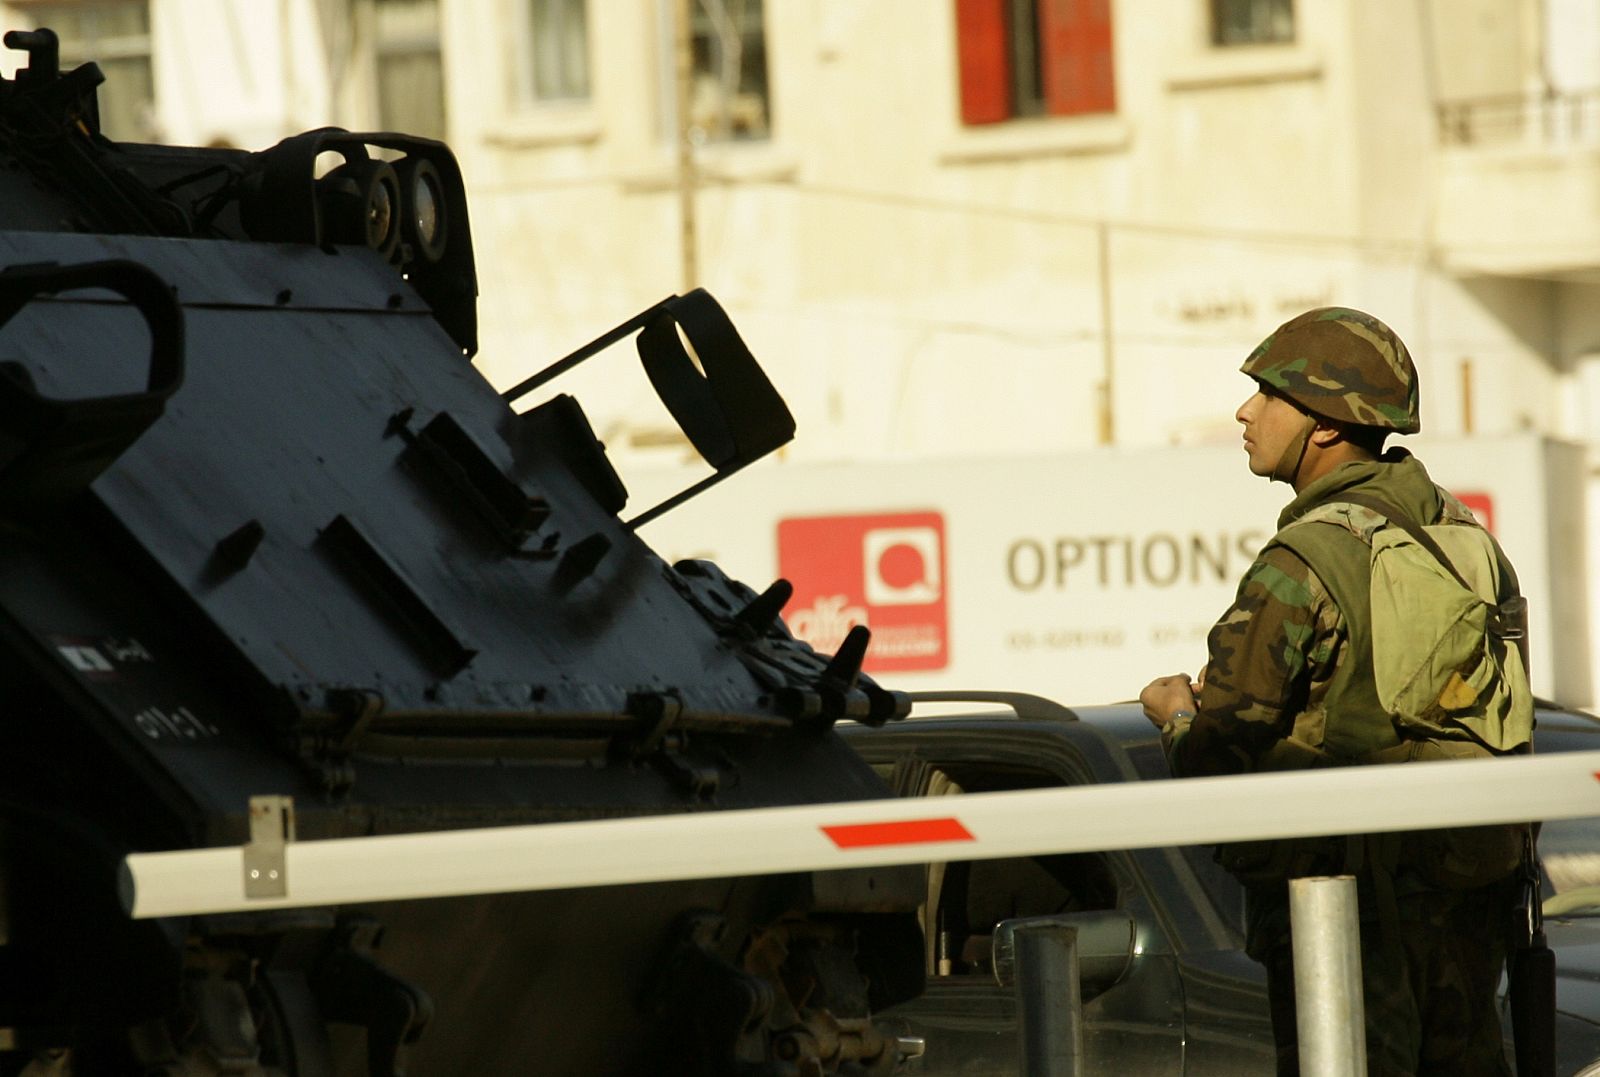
{"x":730,"y":99}
{"x":1027,"y":58}
{"x":556,"y":51}
{"x":1252,"y":22}
{"x":410,"y":70}
{"x":116,"y":35}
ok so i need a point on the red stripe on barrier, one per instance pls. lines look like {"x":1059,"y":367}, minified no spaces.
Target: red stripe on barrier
{"x":908,"y":832}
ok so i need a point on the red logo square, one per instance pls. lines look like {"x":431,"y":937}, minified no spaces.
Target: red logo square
{"x":885,"y":571}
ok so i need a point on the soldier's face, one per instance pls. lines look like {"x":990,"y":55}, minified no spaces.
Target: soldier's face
{"x":1270,"y":424}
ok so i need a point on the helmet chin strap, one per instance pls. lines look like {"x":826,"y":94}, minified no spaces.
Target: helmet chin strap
{"x":1293,"y":453}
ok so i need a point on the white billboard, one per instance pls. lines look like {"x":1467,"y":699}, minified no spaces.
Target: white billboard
{"x":1081,"y":576}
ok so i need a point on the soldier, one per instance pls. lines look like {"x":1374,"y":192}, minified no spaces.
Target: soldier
{"x":1289,"y":684}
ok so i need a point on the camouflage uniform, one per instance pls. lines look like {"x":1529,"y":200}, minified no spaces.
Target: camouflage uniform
{"x":1430,"y":979}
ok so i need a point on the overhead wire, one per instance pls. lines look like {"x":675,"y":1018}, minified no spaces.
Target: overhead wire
{"x":1029,"y":215}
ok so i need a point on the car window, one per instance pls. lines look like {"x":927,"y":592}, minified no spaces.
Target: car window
{"x":1148,"y":759}
{"x":1569,"y":849}
{"x":968,"y":899}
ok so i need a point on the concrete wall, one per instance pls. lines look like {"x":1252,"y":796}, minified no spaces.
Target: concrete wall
{"x":919,"y":288}
{"x":916,"y":286}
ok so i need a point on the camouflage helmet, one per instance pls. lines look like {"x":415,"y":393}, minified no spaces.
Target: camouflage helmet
{"x":1341,"y":364}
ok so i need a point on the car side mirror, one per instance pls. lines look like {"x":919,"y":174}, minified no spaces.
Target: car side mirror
{"x":1106,"y":942}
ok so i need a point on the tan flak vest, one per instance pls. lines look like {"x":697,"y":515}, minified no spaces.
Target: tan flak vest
{"x":1443,"y":659}
{"x":1355,"y":542}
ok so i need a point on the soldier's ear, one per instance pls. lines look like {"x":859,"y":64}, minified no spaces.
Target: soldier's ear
{"x":1367,"y":439}
{"x":1326,"y":434}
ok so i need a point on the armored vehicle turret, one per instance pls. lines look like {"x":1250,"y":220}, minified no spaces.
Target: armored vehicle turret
{"x":266,"y":532}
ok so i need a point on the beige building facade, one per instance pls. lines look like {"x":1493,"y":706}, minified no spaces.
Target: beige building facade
{"x":964,"y":228}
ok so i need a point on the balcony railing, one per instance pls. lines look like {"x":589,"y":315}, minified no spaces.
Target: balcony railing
{"x":1540,"y":120}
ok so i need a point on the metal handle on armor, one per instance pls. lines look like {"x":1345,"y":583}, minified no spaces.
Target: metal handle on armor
{"x":706,"y":377}
{"x":55,"y":447}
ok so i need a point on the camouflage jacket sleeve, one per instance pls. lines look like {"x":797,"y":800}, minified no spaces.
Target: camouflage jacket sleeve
{"x":1270,"y":659}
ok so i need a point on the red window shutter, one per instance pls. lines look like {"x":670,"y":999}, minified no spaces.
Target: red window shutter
{"x":1075,"y":36}
{"x":985,"y":61}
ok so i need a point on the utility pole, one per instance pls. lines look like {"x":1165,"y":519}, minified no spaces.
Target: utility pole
{"x":1108,"y":349}
{"x":683,"y":49}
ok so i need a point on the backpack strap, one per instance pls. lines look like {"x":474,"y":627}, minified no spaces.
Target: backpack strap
{"x":1400,"y":519}
{"x":1509,"y":619}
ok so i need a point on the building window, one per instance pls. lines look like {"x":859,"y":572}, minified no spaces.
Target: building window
{"x":1021,"y":58}
{"x":730,"y":100}
{"x":410,"y":71}
{"x":557,"y":67}
{"x":116,"y":35}
{"x":1252,"y":22}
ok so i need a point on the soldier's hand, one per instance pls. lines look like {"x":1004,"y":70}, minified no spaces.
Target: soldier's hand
{"x":1165,"y":696}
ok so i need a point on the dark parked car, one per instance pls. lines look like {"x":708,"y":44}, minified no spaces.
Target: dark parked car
{"x":1178,"y":996}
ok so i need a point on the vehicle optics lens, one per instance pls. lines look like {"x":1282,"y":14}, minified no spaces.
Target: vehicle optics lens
{"x":380,"y":214}
{"x":425,"y":203}
{"x":359,"y":203}
{"x":427,"y":212}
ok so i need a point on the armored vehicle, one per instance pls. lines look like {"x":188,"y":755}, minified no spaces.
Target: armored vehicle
{"x":266,"y":532}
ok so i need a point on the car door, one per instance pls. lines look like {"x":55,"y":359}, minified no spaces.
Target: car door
{"x":1133,"y":1025}
{"x":1227,"y":1025}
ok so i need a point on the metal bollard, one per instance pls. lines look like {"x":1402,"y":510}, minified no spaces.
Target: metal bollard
{"x":1049,"y":1001}
{"x":1329,"y":1013}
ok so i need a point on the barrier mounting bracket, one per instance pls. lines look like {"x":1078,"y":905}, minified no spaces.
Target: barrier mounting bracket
{"x":266,"y":869}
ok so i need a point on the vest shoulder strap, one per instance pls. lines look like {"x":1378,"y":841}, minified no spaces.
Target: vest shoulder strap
{"x":1334,"y":540}
{"x":1337,"y":543}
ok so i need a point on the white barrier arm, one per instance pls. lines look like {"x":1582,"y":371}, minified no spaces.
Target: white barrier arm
{"x":977,"y":826}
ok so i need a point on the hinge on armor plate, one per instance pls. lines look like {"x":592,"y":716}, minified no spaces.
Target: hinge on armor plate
{"x":266,"y":869}
{"x":657,"y":742}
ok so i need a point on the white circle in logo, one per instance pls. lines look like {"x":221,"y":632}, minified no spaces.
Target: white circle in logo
{"x":901,"y":566}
